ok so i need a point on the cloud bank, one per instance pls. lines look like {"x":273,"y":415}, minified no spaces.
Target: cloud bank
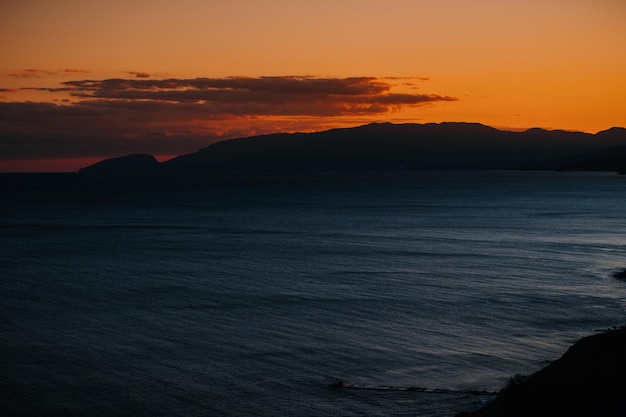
{"x":170,"y":116}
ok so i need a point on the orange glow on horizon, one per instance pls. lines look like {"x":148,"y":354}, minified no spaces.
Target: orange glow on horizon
{"x":47,"y":165}
{"x":59,"y":165}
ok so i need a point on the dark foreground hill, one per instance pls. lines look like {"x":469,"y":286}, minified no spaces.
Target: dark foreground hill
{"x":588,"y":380}
{"x":386,"y":146}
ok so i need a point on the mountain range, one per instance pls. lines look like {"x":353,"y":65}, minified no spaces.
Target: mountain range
{"x":386,"y":146}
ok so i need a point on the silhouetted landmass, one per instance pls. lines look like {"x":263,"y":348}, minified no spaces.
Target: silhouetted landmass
{"x":620,"y":275}
{"x":386,"y":146}
{"x":611,"y":159}
{"x":588,"y":380}
{"x":131,"y":164}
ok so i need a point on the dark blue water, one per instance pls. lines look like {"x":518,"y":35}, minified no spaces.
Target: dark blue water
{"x":249,"y":295}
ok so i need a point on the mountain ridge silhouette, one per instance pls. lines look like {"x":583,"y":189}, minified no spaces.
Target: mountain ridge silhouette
{"x":388,"y":146}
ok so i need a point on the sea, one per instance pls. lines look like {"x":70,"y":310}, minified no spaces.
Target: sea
{"x":298,"y":294}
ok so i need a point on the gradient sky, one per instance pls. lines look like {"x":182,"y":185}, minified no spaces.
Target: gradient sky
{"x":81,"y":81}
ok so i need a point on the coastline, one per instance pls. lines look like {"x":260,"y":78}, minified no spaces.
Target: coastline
{"x":588,"y":380}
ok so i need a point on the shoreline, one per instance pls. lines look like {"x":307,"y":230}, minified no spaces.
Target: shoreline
{"x":589,"y":379}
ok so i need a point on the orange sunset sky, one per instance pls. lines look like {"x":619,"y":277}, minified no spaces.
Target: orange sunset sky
{"x":81,"y":81}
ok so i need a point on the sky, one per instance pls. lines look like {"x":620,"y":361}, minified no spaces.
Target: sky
{"x":81,"y":81}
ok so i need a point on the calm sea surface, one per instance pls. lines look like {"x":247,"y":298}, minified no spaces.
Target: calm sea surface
{"x":250,"y":295}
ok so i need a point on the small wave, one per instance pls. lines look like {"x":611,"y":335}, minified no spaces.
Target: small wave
{"x":341,"y":384}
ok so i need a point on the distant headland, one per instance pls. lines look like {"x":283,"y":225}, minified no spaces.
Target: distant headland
{"x":386,"y":146}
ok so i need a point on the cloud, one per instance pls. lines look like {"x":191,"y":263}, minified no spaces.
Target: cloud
{"x":138,"y":74}
{"x":75,"y":71}
{"x":244,"y":96}
{"x":45,"y":130}
{"x":31,"y":73}
{"x":117,"y":116}
{"x":41,"y":73}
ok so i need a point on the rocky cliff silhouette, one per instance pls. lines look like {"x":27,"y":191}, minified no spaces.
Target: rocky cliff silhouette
{"x":588,"y":380}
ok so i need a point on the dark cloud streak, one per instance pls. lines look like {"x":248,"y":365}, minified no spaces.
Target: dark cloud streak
{"x":40,"y":73}
{"x":290,"y":85}
{"x":139,"y":74}
{"x":266,"y":96}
